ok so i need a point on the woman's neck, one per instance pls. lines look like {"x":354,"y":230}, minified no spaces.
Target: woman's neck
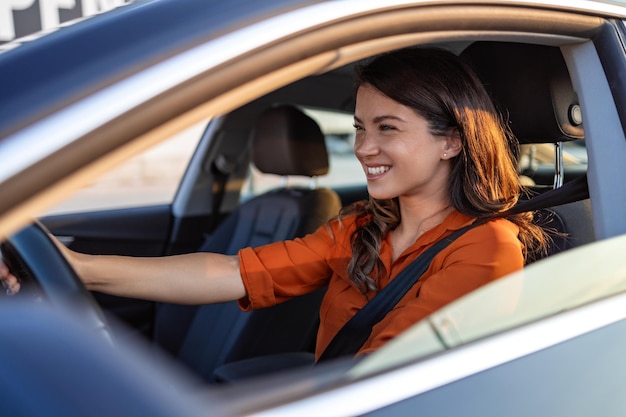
{"x":417,"y":219}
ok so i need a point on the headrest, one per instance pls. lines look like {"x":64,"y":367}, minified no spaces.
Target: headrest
{"x":285,"y":141}
{"x":531,"y":86}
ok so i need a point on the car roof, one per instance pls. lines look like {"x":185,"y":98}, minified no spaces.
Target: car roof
{"x":95,"y":51}
{"x":102,"y":48}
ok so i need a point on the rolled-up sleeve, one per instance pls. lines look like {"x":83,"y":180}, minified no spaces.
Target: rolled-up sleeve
{"x":279,"y":271}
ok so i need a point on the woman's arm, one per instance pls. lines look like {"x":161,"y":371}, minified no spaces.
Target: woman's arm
{"x":197,"y":278}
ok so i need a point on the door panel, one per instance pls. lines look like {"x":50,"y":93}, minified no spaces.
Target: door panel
{"x":141,"y":231}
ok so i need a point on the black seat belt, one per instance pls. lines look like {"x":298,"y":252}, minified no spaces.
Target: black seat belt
{"x":357,"y":330}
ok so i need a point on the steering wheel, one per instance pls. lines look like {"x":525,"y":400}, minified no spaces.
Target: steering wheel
{"x":45,"y":275}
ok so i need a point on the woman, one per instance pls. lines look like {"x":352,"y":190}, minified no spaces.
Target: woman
{"x":436,"y":158}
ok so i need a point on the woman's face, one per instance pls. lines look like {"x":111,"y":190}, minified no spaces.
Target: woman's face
{"x":399,"y":155}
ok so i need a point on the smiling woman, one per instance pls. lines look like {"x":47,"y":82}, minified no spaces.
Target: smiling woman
{"x":423,"y":148}
{"x":420,"y":144}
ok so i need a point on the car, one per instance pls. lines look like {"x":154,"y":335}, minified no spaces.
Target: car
{"x":80,"y":101}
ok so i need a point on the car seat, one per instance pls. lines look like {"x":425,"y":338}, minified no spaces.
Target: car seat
{"x":286,"y":142}
{"x":531,"y":86}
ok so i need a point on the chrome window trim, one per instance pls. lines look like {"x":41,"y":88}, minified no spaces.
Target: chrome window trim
{"x":379,"y":391}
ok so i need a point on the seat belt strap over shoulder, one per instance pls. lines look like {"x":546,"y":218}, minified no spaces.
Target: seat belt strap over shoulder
{"x":357,"y":330}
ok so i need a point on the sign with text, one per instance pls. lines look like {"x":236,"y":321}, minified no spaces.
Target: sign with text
{"x":19,"y":18}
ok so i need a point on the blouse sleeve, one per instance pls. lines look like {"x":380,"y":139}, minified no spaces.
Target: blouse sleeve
{"x":279,"y":271}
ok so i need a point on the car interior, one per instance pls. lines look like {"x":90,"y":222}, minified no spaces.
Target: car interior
{"x":286,"y":142}
{"x":529,"y":83}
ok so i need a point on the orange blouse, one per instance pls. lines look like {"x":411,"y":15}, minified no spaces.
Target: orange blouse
{"x":279,"y":271}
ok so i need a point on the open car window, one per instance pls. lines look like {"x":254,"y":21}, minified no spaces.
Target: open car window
{"x":149,"y":178}
{"x":537,"y":161}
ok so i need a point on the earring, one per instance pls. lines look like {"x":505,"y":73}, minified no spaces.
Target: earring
{"x":445,"y":155}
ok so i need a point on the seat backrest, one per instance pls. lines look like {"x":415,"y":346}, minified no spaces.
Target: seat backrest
{"x":285,"y":142}
{"x":531,"y":86}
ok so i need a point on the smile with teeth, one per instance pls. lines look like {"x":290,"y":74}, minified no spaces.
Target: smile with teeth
{"x":377,"y":170}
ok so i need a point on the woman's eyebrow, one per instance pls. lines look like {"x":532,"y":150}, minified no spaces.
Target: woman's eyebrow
{"x":382,"y":118}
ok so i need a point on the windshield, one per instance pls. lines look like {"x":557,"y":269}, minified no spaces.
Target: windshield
{"x":556,"y":284}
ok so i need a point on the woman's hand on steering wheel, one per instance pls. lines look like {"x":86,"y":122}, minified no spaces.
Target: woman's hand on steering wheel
{"x":9,"y":281}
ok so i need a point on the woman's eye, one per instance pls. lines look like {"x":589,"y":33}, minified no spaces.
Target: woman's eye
{"x":357,"y":127}
{"x":386,"y":127}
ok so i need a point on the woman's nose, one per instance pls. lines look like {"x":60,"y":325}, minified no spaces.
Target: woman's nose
{"x":365,"y":145}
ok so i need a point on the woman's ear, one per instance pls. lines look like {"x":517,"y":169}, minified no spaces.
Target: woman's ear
{"x":452,"y":145}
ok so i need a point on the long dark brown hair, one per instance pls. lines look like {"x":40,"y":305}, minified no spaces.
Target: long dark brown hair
{"x":483,"y":181}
